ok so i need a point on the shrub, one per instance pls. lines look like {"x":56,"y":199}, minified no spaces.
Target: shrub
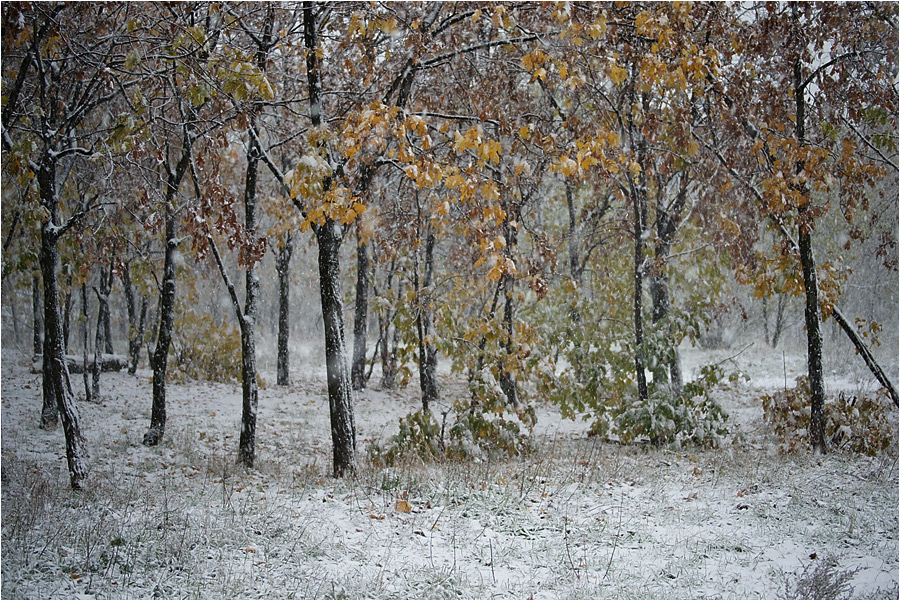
{"x":477,"y":429}
{"x":862,"y":423}
{"x":203,"y":350}
{"x":824,"y":581}
{"x":693,"y":416}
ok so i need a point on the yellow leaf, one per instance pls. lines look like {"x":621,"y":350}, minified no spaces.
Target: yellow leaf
{"x":455,"y":181}
{"x":402,"y":506}
{"x":349,"y":216}
{"x":525,"y":132}
{"x":640,"y":21}
{"x":489,"y":192}
{"x":617,"y":74}
{"x":598,"y":28}
{"x":567,"y":166}
{"x":496,"y":271}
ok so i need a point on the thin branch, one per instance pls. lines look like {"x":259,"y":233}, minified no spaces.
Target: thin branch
{"x":869,"y":144}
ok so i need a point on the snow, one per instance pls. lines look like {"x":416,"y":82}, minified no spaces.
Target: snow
{"x":576,"y":518}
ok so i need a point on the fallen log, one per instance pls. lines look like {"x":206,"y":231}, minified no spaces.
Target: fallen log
{"x":866,"y":355}
{"x":75,"y":363}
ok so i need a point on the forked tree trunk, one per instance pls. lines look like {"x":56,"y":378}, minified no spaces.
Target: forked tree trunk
{"x":810,"y":281}
{"x":157,"y":429}
{"x":387,"y":344}
{"x":101,"y":339}
{"x":282,"y":266}
{"x":137,"y":320}
{"x":56,"y":373}
{"x":667,"y":217}
{"x":639,"y":215}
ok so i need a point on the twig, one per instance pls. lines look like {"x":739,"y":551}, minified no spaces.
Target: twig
{"x":615,"y":538}
{"x":738,"y":354}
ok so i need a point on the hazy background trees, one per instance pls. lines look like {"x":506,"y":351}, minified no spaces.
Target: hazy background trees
{"x":553,"y":201}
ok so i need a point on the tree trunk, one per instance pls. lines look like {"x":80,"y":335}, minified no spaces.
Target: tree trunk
{"x":282,"y":266}
{"x":137,"y":320}
{"x":166,"y":305}
{"x":507,"y":378}
{"x":639,"y":363}
{"x":425,"y":324}
{"x":164,"y":333}
{"x":55,"y":365}
{"x":37,"y":312}
{"x":85,"y":338}
{"x":508,"y":383}
{"x":810,"y":281}
{"x":639,"y":209}
{"x":49,"y":407}
{"x":340,"y":389}
{"x":669,"y":368}
{"x":15,"y":320}
{"x":574,"y":256}
{"x":249,"y":385}
{"x":361,"y":314}
{"x":386,"y":349}
{"x":340,"y":398}
{"x":779,"y":319}
{"x":813,"y":341}
{"x":101,"y":339}
{"x":67,"y":309}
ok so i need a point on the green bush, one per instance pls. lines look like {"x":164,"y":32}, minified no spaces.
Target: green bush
{"x":476,"y":429}
{"x":693,"y":416}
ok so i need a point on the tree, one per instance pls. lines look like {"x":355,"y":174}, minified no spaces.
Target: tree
{"x":252,"y":247}
{"x":66,"y":57}
{"x":837,"y":76}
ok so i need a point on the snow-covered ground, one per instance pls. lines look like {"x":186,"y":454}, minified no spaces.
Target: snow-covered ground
{"x":576,"y":518}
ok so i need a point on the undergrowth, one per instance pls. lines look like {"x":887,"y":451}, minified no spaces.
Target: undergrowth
{"x":862,"y":423}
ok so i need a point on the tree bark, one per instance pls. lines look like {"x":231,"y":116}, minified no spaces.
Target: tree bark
{"x":282,"y":266}
{"x":157,"y":429}
{"x":137,"y":320}
{"x":101,"y":339}
{"x":85,"y":347}
{"x":55,"y":372}
{"x":425,"y":323}
{"x":343,"y":430}
{"x":810,"y":281}
{"x":37,"y":312}
{"x":328,"y":236}
{"x":666,"y":225}
{"x":361,"y":314}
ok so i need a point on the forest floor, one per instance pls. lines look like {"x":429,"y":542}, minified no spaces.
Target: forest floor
{"x":575,"y":518}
